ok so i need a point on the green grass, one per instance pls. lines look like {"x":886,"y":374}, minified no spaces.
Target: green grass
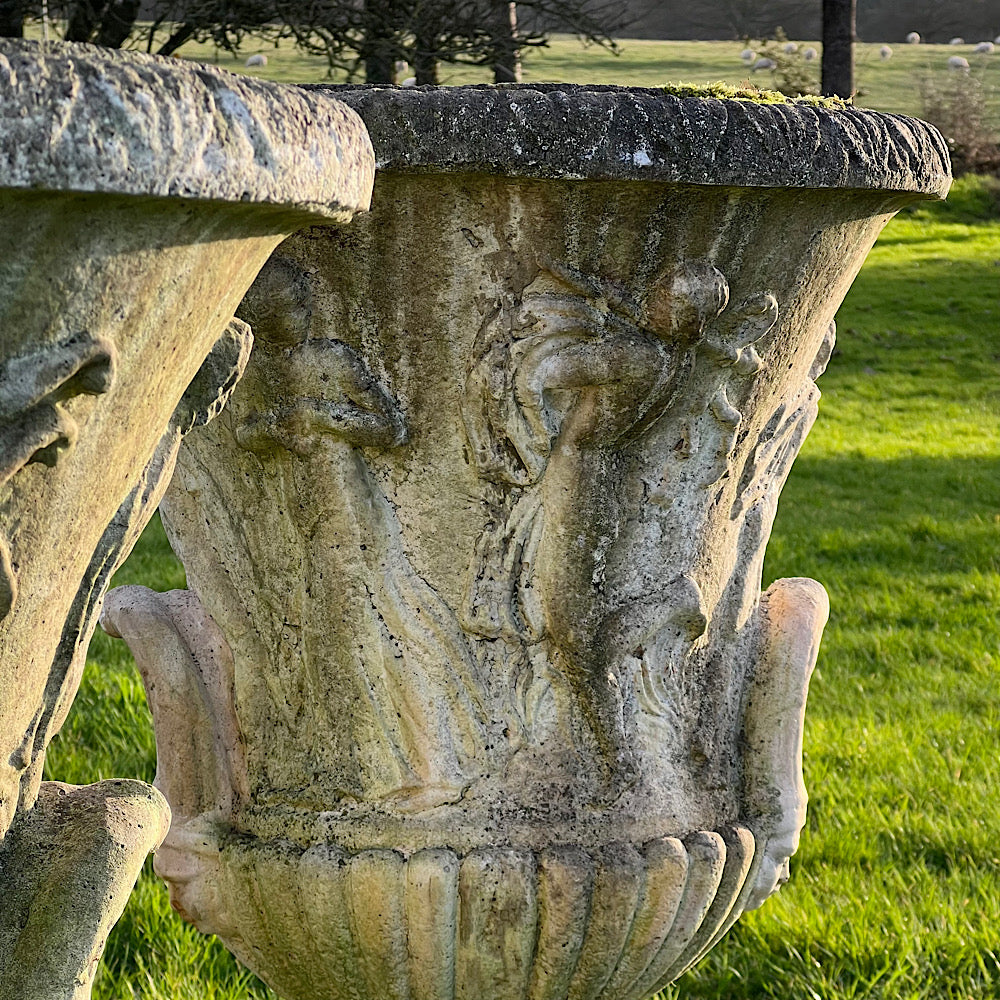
{"x":894,"y":504}
{"x":888,"y":86}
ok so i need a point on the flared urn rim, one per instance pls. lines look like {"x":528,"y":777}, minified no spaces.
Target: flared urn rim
{"x":590,"y":132}
{"x":83,"y":119}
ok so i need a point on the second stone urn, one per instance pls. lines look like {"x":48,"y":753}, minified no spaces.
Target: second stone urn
{"x":475,"y":693}
{"x":139,"y":198}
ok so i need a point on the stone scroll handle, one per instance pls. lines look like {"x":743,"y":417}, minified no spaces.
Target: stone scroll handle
{"x":197,"y":738}
{"x":792,"y":614}
{"x":187,"y":669}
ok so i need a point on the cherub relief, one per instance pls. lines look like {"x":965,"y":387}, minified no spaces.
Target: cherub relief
{"x":565,"y":381}
{"x":370,"y":668}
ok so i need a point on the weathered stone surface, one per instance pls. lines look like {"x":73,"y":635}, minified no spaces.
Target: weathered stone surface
{"x":79,"y":118}
{"x":140,"y":198}
{"x":479,"y":695}
{"x":562,"y":131}
{"x":53,"y":924}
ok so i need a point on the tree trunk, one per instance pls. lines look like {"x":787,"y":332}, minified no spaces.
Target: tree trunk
{"x":118,"y":23}
{"x":506,"y":52}
{"x":11,"y":18}
{"x":176,"y":40}
{"x":425,"y":51}
{"x":838,"y":47}
{"x":380,"y":67}
{"x":425,"y":68}
{"x":84,"y":20}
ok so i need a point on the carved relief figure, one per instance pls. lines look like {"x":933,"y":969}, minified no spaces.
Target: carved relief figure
{"x":316,"y":410}
{"x":34,"y":423}
{"x":566,"y":380}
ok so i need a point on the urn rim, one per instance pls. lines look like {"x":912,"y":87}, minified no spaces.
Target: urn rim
{"x":83,"y":119}
{"x":599,"y":132}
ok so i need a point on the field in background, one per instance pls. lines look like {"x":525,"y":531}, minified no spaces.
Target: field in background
{"x":894,"y":504}
{"x":887,"y":85}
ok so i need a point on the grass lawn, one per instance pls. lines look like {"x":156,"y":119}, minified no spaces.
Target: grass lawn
{"x":886,"y":85}
{"x":894,"y":504}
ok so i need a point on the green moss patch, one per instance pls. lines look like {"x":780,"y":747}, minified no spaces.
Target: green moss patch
{"x":727,"y":92}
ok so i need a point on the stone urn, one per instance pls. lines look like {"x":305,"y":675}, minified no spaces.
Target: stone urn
{"x":474,"y":694}
{"x":140,"y":197}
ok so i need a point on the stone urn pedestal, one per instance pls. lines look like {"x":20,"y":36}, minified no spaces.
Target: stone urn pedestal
{"x":139,"y":198}
{"x":474,"y":693}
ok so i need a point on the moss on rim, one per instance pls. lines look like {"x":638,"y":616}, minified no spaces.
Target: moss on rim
{"x":727,"y":92}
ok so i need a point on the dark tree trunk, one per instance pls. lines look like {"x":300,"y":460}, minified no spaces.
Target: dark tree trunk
{"x":425,"y":53}
{"x":379,"y":24}
{"x":506,"y":52}
{"x":425,"y":67}
{"x":380,"y":67}
{"x":118,"y":23}
{"x":11,"y":19}
{"x":84,"y":20}
{"x":838,"y":47}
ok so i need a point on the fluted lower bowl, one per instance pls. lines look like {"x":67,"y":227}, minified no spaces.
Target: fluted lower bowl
{"x":615,"y":923}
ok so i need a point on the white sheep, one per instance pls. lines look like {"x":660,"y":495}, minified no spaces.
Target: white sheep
{"x":957,"y":41}
{"x":259,"y":59}
{"x":764,"y":64}
{"x":913,"y":38}
{"x":810,"y":54}
{"x":996,"y":41}
{"x":790,"y":47}
{"x":958,"y":63}
{"x":985,"y":48}
{"x":410,"y":81}
{"x":748,"y":55}
{"x":885,"y":53}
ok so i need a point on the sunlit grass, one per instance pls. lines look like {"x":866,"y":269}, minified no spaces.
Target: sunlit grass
{"x":886,"y":85}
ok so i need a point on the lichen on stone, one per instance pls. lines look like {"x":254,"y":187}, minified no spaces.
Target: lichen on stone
{"x":727,"y":92}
